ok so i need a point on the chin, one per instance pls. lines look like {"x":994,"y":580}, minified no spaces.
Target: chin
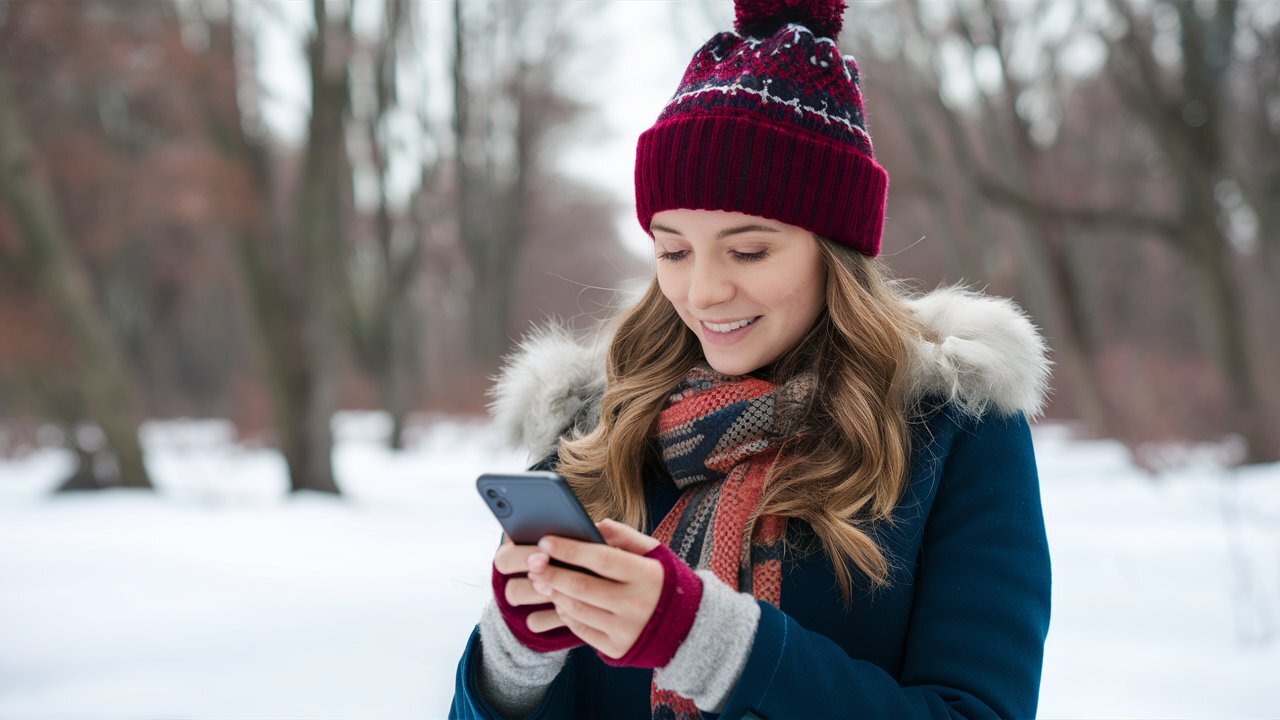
{"x":730,"y":366}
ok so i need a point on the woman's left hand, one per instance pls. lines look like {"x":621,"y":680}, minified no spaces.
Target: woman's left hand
{"x":608,"y":612}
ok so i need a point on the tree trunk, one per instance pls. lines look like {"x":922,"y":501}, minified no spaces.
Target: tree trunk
{"x":319,"y":230}
{"x":277,"y":284}
{"x":488,"y":211}
{"x":107,"y":387}
{"x":382,"y":339}
{"x":1230,"y":345}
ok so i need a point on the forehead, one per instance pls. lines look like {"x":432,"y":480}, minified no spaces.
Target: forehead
{"x":683,"y":220}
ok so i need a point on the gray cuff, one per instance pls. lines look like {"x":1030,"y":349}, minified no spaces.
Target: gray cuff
{"x":709,"y":662}
{"x":513,"y":678}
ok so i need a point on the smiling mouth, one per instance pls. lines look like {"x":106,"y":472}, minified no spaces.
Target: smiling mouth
{"x":728,"y":327}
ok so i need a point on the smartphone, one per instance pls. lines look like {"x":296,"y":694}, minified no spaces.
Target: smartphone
{"x":530,"y":505}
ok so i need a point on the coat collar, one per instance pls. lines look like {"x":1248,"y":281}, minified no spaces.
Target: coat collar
{"x":988,"y":355}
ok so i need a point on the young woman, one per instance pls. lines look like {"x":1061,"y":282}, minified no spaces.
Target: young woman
{"x":819,"y":496}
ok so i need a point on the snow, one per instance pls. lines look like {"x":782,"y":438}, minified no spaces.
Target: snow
{"x":222,"y":596}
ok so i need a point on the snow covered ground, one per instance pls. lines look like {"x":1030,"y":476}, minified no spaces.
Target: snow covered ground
{"x":220,"y":596}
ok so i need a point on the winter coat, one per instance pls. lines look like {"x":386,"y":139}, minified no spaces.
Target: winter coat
{"x":960,"y":629}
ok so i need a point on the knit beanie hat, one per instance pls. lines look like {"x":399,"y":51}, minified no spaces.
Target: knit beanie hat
{"x":769,"y":121}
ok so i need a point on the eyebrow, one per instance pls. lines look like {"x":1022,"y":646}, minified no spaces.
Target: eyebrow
{"x":654,"y":227}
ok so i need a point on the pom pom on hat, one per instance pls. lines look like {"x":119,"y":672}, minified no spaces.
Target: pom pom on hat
{"x":760,"y":18}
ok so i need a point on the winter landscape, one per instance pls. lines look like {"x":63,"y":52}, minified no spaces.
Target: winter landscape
{"x":221,"y":596}
{"x":270,"y":212}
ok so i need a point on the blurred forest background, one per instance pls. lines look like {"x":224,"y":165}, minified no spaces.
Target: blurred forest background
{"x":1112,"y":165}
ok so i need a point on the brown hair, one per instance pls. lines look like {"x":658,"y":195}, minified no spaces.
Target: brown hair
{"x":844,"y":471}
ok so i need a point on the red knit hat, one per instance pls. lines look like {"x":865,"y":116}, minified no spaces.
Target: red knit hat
{"x":769,"y":121}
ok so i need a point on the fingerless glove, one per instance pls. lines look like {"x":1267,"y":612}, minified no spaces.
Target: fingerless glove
{"x":671,"y":619}
{"x":517,"y":617}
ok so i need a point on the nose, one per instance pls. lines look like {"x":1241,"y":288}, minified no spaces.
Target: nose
{"x":710,"y":284}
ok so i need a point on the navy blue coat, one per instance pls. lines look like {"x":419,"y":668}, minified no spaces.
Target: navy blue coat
{"x":959,"y":633}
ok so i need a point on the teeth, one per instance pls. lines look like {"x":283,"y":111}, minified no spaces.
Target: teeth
{"x":728,"y":327}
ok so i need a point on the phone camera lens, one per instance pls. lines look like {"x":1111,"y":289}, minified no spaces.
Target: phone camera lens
{"x":502,"y":505}
{"x":491,"y":493}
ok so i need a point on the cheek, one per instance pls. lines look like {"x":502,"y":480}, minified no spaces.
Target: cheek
{"x":670,"y":285}
{"x":816,"y":299}
{"x":674,"y":293}
{"x":802,"y":302}
{"x":813,"y":294}
{"x":795,"y":299}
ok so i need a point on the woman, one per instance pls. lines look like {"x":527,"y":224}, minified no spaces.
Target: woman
{"x":819,"y":497}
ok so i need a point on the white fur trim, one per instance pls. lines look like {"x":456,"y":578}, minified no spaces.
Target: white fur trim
{"x":988,"y":354}
{"x":551,"y":383}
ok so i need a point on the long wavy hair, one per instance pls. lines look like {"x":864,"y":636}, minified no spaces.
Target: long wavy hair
{"x":842,"y":473}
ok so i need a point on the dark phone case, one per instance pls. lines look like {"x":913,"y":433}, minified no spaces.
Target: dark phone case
{"x":538,"y":504}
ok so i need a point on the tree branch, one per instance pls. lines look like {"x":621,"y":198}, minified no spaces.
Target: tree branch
{"x":1085,"y":218}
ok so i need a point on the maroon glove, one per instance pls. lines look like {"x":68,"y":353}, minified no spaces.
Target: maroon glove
{"x":672,"y":618}
{"x":561,"y":638}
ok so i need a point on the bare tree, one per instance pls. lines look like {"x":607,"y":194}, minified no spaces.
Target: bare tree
{"x":957,"y":145}
{"x":106,"y":388}
{"x":501,"y":124}
{"x":381,"y":313}
{"x":285,"y":268}
{"x":1184,"y":108}
{"x":1186,"y":113}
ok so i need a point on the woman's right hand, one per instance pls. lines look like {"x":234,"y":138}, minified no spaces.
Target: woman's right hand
{"x":530,"y":616}
{"x":512,"y":561}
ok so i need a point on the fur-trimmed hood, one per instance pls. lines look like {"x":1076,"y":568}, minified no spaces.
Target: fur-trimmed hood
{"x":988,"y":355}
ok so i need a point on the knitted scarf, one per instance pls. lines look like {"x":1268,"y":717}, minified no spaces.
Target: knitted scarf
{"x":719,"y":437}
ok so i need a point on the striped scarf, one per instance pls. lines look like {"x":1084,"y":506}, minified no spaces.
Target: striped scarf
{"x":719,"y":436}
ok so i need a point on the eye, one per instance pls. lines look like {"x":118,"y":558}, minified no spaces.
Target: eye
{"x":750,"y":257}
{"x":673,"y":255}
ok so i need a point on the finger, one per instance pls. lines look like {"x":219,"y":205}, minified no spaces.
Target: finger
{"x":537,"y":562}
{"x":511,"y":559}
{"x":521,"y":592}
{"x":600,"y":592}
{"x":591,"y":636}
{"x":585,"y":613}
{"x":626,"y":537}
{"x":606,"y":561}
{"x":544,"y":620}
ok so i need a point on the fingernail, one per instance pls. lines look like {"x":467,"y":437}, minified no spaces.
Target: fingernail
{"x":545,"y":544}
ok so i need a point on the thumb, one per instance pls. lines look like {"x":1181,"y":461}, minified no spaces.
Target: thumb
{"x":625,"y":537}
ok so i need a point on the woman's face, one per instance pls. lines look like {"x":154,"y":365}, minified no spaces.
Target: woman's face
{"x":748,"y":287}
